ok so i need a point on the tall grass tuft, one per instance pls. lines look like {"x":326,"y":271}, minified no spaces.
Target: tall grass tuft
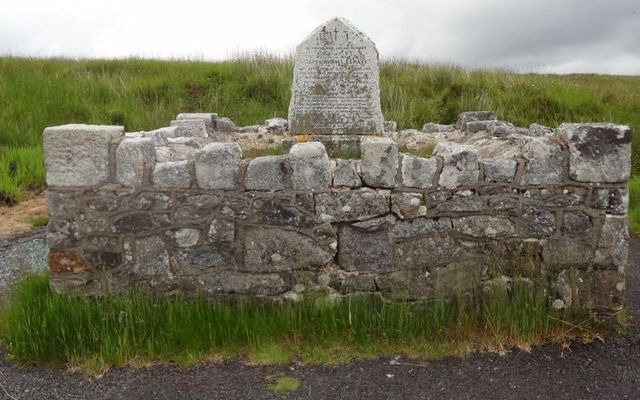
{"x":39,"y":327}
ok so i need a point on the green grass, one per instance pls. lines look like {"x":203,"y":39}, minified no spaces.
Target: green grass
{"x":424,"y":151}
{"x":634,"y":204}
{"x":146,"y":94}
{"x":45,"y":329}
{"x":267,"y":151}
{"x":38,"y":220}
{"x":284,"y":384}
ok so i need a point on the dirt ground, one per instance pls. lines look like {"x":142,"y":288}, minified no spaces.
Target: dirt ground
{"x":14,"y":219}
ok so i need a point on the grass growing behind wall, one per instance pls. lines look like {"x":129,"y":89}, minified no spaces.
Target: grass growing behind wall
{"x":41,"y":328}
{"x":146,"y":94}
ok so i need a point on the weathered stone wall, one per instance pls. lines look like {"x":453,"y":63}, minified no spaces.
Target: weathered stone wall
{"x":179,"y":209}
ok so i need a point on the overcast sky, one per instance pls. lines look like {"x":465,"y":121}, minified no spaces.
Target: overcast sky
{"x":562,"y":36}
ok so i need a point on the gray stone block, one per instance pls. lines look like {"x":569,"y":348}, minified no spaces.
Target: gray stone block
{"x":545,"y":161}
{"x":379,"y":162}
{"x":172,"y":174}
{"x":598,"y":152}
{"x":78,"y":155}
{"x":499,"y":169}
{"x":614,"y":200}
{"x":460,"y":164}
{"x":222,"y":230}
{"x":495,"y":128}
{"x":277,"y":125}
{"x":410,"y":228}
{"x":346,"y":173}
{"x":161,"y":136}
{"x":276,"y":249}
{"x":231,"y":282}
{"x":186,"y":237}
{"x":133,"y":158}
{"x":310,"y":166}
{"x":62,"y":203}
{"x":208,"y":118}
{"x":217,"y":166}
{"x":352,"y":205}
{"x":484,"y":226}
{"x":175,"y":152}
{"x":191,"y":127}
{"x":418,"y":172}
{"x":364,"y":249}
{"x":224,"y":124}
{"x":613,"y":248}
{"x":151,"y":258}
{"x":266,"y":173}
{"x":408,"y":205}
{"x":470,"y":116}
{"x":430,"y":127}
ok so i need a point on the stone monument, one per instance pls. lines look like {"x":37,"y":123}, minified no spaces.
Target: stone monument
{"x":335,"y":83}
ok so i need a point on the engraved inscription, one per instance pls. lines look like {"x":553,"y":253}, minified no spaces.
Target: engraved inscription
{"x":335,"y":88}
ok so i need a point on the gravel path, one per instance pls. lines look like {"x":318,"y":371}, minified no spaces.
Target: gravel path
{"x":602,"y":370}
{"x":22,"y":254}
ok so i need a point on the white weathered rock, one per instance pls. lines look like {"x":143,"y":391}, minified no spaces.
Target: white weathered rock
{"x":379,"y":162}
{"x":470,"y":116}
{"x":540,"y":130}
{"x":598,"y":152}
{"x":430,"y":127}
{"x":186,"y":237}
{"x":276,"y":125}
{"x":175,"y":152}
{"x":133,"y":157}
{"x":78,"y":155}
{"x":418,"y":172}
{"x":310,"y":166}
{"x":545,"y":161}
{"x":390,"y":126}
{"x":335,"y":83}
{"x":266,"y":173}
{"x":172,"y":174}
{"x":217,"y":166}
{"x":460,"y":164}
{"x":346,"y":173}
{"x":484,"y":226}
{"x":208,"y":118}
{"x":613,"y":248}
{"x":161,"y":135}
{"x":352,"y":205}
{"x":408,"y":205}
{"x":221,"y":230}
{"x":190,"y":127}
{"x":495,"y":128}
{"x":499,"y":169}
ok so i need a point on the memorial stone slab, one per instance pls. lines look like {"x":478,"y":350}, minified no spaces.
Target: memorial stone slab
{"x":335,"y":83}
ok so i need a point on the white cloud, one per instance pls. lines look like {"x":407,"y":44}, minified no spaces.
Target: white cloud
{"x":538,"y":35}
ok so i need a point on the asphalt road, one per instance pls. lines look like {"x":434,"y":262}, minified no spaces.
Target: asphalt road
{"x":600,"y":370}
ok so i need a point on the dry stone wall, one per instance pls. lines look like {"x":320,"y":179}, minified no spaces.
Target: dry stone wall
{"x":180,"y":209}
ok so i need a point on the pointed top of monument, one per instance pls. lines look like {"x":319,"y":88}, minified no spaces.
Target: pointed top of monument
{"x":337,"y":24}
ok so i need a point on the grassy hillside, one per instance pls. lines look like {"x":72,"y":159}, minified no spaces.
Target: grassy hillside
{"x":145,"y":94}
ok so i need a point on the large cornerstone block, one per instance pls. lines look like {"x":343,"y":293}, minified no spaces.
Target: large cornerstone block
{"x":217,"y":166}
{"x":310,"y":166}
{"x":379,"y":162}
{"x":78,"y":155}
{"x":598,"y":152}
